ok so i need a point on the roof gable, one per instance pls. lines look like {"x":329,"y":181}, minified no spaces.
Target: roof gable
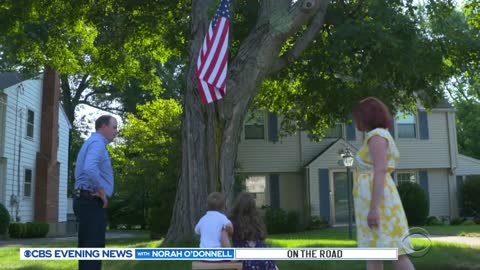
{"x":8,"y":79}
{"x":330,"y":155}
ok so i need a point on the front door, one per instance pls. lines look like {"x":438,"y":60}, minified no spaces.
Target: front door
{"x":339,"y":198}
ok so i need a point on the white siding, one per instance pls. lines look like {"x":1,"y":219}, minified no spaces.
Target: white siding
{"x":438,"y":192}
{"x":62,"y":157}
{"x":20,"y":148}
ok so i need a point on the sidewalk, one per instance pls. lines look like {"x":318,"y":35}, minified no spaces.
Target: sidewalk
{"x":41,"y":241}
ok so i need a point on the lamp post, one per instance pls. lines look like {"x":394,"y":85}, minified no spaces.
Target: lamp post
{"x":347,"y":158}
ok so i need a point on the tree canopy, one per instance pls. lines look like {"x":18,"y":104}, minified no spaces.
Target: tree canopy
{"x":146,"y":163}
{"x":309,"y":60}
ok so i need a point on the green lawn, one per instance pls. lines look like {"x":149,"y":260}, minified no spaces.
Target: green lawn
{"x":442,"y":256}
{"x":460,"y":230}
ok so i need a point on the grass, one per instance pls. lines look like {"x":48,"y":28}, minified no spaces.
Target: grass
{"x":442,"y":256}
{"x":460,"y":230}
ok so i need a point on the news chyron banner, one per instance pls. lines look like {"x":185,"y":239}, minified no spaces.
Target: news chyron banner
{"x":213,"y":254}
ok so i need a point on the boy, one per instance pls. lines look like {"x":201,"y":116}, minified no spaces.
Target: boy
{"x":214,"y":227}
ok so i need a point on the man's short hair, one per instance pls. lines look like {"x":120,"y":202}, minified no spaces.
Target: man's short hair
{"x":216,"y":201}
{"x":101,"y":121}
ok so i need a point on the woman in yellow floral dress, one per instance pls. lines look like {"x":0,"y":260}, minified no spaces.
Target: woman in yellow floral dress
{"x":379,"y":215}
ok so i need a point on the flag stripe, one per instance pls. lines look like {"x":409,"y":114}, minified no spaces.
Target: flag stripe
{"x":212,"y":62}
{"x":213,"y":53}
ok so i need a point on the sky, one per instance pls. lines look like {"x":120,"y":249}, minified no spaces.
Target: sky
{"x":91,"y":114}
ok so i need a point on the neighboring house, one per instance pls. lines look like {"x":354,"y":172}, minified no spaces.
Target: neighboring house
{"x":295,"y":173}
{"x":34,"y":142}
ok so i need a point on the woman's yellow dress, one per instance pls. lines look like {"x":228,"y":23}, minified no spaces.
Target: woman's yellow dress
{"x":392,"y":231}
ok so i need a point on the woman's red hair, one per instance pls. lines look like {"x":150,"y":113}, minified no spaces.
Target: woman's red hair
{"x":371,"y":113}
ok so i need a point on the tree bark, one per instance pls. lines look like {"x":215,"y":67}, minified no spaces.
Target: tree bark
{"x":211,"y":133}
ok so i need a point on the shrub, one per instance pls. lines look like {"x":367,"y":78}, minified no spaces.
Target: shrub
{"x":457,"y":221}
{"x":36,"y":229}
{"x":433,"y":221}
{"x":275,"y":220}
{"x":280,"y":221}
{"x":4,"y":219}
{"x":28,"y":230}
{"x":17,"y":230}
{"x":317,"y":222}
{"x":293,"y":221}
{"x":470,"y":198}
{"x":415,"y":203}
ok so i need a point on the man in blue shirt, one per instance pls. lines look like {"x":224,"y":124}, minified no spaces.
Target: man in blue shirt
{"x":93,"y":187}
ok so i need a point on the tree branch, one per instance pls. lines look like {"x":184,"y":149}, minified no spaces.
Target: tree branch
{"x":79,"y":90}
{"x":83,"y":83}
{"x":357,"y":8}
{"x":302,"y":42}
{"x":107,"y":109}
{"x":460,"y":89}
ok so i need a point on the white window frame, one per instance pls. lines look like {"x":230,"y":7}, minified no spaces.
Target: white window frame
{"x":397,"y":129}
{"x":259,"y":196}
{"x":28,"y":124}
{"x":265,"y":128}
{"x":30,"y":185}
{"x":411,"y":172}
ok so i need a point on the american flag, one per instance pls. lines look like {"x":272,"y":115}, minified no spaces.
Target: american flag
{"x":212,"y":60}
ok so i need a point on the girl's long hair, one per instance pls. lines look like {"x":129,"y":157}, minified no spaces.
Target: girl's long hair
{"x":247,"y":222}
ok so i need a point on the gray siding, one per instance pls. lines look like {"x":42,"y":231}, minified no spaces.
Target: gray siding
{"x":431,"y":153}
{"x":438,"y":192}
{"x":292,"y":190}
{"x":264,"y":156}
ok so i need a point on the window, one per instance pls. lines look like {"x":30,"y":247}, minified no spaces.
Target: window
{"x":406,"y":177}
{"x":334,"y":132}
{"x":255,"y":185}
{"x":27,"y":186}
{"x":255,"y":126}
{"x":406,"y":125}
{"x":30,"y":123}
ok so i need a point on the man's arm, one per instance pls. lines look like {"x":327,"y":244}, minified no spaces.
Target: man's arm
{"x":91,"y":168}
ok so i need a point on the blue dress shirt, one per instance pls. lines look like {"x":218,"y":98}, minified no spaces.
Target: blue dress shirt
{"x":94,"y":167}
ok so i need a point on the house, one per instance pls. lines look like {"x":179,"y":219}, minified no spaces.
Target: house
{"x":296,"y":173}
{"x":34,"y":142}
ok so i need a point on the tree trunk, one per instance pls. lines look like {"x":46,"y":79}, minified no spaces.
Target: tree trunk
{"x":211,"y":133}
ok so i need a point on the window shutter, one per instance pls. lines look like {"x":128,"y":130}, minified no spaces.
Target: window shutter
{"x":274,"y":191}
{"x":459,"y":194}
{"x":351,"y":134}
{"x":324,"y":192}
{"x":423,"y":175}
{"x":272,"y":127}
{"x":423,"y":124}
{"x":391,"y":129}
